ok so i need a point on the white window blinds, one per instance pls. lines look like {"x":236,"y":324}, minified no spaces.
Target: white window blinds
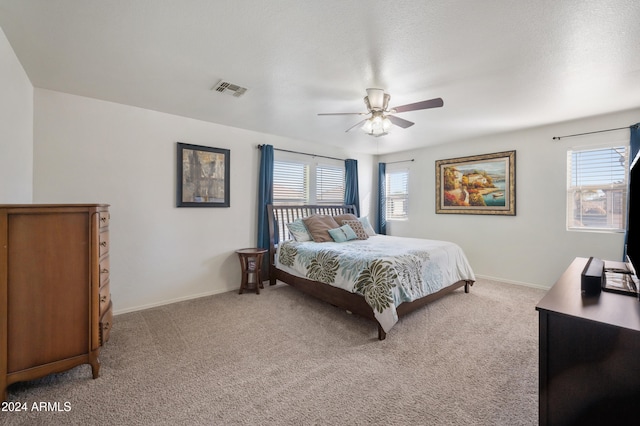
{"x":597,"y":189}
{"x":397,"y":188}
{"x":302,"y":181}
{"x":329,"y":184}
{"x":290,"y":182}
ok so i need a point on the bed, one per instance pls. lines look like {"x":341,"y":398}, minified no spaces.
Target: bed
{"x":378,"y":277}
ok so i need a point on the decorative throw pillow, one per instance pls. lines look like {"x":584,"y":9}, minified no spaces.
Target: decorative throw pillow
{"x":318,"y":226}
{"x":342,"y":234}
{"x":298,"y":230}
{"x":367,"y":226}
{"x":357,"y":227}
{"x":347,"y":216}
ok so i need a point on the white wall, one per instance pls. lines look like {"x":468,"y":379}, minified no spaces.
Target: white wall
{"x":533,"y":247}
{"x":16,"y":128}
{"x":93,"y":151}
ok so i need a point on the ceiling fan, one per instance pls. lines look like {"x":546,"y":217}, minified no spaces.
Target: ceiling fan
{"x":377,"y":103}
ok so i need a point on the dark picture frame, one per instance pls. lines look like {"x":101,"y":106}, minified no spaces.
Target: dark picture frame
{"x":202,"y":176}
{"x":478,"y":184}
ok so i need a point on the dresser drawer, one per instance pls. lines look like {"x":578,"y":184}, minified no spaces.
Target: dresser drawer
{"x":105,"y":298}
{"x":105,"y":324}
{"x":104,"y":243}
{"x":104,"y":270}
{"x":104,"y":219}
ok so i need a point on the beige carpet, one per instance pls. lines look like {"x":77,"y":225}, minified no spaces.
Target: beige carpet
{"x":283,"y":358}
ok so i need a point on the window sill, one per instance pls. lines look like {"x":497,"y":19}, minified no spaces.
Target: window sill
{"x":597,"y":230}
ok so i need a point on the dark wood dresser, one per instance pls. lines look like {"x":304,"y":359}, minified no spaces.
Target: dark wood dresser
{"x":589,"y":355}
{"x":55,"y":303}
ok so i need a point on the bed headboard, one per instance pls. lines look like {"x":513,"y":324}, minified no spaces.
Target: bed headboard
{"x":279,"y":216}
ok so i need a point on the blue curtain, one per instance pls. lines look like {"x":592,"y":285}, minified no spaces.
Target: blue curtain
{"x":382,"y":199}
{"x":351,"y":193}
{"x":265,"y":196}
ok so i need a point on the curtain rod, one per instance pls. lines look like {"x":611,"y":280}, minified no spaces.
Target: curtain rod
{"x":303,"y":153}
{"x":597,"y":131}
{"x":401,"y":161}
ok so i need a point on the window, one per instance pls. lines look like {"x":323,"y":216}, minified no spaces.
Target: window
{"x":397,"y":194}
{"x":329,"y":184}
{"x":300,"y":180}
{"x":290,"y":182}
{"x":597,"y":189}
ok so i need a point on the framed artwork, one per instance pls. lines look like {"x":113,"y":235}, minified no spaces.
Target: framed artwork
{"x":480,"y":184}
{"x":203,"y":176}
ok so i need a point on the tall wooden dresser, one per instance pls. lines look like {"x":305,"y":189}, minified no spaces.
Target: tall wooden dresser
{"x":55,"y":304}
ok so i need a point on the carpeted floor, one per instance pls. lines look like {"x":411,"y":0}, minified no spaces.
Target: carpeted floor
{"x":283,"y":358}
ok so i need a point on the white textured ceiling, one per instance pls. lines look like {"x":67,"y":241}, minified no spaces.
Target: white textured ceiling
{"x":499,"y":65}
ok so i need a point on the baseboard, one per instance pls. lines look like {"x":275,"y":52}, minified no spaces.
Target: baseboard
{"x":502,"y":280}
{"x":212,"y":293}
{"x":168,"y":302}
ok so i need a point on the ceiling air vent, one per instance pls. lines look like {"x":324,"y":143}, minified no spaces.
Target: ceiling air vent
{"x":229,"y":88}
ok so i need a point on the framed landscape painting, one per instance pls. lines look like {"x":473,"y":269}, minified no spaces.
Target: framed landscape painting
{"x":203,"y":176}
{"x":479,"y":184}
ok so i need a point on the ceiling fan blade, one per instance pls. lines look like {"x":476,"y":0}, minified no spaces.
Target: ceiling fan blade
{"x":359,"y":123}
{"x":401,"y":122}
{"x":343,"y":113}
{"x":431,"y":103}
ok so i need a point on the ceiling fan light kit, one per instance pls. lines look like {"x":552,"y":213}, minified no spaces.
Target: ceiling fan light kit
{"x":377,"y":125}
{"x":377,"y":103}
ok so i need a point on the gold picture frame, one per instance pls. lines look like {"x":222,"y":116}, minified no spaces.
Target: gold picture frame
{"x":478,"y":184}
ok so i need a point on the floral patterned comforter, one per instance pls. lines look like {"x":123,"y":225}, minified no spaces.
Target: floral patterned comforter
{"x":386,"y":270}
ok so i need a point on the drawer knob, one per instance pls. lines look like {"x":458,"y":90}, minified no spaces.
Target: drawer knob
{"x":106,"y":326}
{"x":103,"y":299}
{"x":103,"y":219}
{"x":104,"y":271}
{"x":103,"y":243}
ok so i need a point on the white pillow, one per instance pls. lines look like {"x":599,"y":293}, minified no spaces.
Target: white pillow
{"x":299,"y":231}
{"x":367,"y":226}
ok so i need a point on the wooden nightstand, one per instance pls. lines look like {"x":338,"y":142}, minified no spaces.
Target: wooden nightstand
{"x":251,"y":262}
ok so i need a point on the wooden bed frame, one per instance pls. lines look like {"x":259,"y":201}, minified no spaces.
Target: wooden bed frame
{"x":279,"y":216}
